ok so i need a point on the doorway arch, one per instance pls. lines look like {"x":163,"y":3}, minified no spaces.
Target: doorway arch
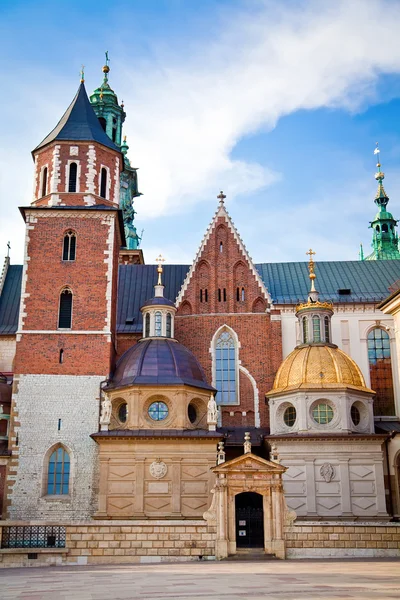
{"x":249,"y":520}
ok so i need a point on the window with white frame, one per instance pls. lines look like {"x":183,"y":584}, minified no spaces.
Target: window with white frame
{"x":226,"y":368}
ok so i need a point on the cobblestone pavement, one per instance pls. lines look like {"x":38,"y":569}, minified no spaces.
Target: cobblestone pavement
{"x":280,"y":580}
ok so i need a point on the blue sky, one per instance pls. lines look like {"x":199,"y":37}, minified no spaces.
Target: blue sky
{"x":277,"y":103}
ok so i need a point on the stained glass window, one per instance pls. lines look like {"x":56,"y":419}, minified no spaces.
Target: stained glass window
{"x":316,"y":323}
{"x":380,"y":368}
{"x":225,"y":369}
{"x":322,"y":413}
{"x":157,"y":324}
{"x":58,"y":472}
{"x":158,"y":411}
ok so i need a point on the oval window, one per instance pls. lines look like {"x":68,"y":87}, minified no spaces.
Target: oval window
{"x":289,"y":416}
{"x":322,"y":414}
{"x":355,"y":415}
{"x":158,"y":411}
{"x":192,"y":413}
{"x":122,"y":413}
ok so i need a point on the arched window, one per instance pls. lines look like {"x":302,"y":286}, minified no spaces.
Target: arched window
{"x":73,"y":172}
{"x":327,"y":332}
{"x":221,"y":247}
{"x":316,"y":323}
{"x":158,"y":321}
{"x":226,"y":368}
{"x":103,"y":183}
{"x":44,"y":182}
{"x":69,"y":246}
{"x":305,"y":330}
{"x":384,"y":228}
{"x":378,"y":228}
{"x":58,"y":471}
{"x":103,"y":122}
{"x":147,"y":325}
{"x":242,"y":295}
{"x":168,"y":325}
{"x":380,"y":369}
{"x":65,"y":309}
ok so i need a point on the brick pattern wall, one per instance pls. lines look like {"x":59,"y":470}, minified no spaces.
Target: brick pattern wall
{"x":142,"y":541}
{"x":346,"y":539}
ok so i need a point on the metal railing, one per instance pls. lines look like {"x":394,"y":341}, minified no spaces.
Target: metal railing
{"x":33,"y":536}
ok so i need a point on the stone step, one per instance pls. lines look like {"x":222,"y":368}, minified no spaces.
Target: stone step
{"x":254,"y":554}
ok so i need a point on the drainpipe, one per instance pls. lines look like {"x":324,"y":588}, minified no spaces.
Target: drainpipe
{"x":391,"y":435}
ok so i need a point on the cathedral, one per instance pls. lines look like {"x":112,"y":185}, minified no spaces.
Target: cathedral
{"x":155,"y":412}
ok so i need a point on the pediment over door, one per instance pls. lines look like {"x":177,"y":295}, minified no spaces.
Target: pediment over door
{"x":249,"y":463}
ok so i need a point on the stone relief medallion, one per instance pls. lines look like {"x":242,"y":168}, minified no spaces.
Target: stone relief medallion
{"x":158,"y":469}
{"x":327,"y":471}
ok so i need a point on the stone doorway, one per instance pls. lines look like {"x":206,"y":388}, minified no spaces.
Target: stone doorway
{"x":249,"y":520}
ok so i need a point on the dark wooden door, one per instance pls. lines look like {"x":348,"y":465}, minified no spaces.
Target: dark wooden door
{"x":249,"y":520}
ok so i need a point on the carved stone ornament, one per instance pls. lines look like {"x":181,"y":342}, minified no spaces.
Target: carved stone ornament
{"x":327,"y":471}
{"x":105,"y":416}
{"x":158,"y":469}
{"x":211,"y":514}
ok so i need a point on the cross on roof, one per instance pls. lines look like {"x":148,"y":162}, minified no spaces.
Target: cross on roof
{"x":310,"y":253}
{"x":221,"y":196}
{"x":159,"y":261}
{"x":8,"y":249}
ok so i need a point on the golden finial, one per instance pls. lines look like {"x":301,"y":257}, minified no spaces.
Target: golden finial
{"x":101,"y":93}
{"x":221,"y":197}
{"x":159,"y":261}
{"x":311,"y":265}
{"x":83,"y":74}
{"x":124,"y":139}
{"x":106,"y":68}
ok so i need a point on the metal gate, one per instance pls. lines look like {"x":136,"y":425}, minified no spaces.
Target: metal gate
{"x":249,"y":524}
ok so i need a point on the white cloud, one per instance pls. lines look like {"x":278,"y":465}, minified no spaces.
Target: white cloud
{"x":188,"y":109}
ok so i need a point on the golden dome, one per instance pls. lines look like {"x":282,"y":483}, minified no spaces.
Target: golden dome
{"x":318,"y":367}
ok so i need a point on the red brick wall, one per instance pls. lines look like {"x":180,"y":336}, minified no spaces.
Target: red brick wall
{"x":104,"y":156}
{"x":260,"y":338}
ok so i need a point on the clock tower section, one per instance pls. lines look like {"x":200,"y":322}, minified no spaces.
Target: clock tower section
{"x":66,"y":332}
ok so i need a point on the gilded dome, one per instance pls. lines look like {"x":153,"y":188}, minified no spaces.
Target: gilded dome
{"x":318,"y":367}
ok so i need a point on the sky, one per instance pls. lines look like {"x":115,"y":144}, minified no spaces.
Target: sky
{"x":277,"y":103}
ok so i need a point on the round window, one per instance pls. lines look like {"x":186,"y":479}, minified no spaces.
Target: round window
{"x":322,"y":413}
{"x":289,"y":416}
{"x":158,"y":411}
{"x":355,"y":415}
{"x":122,"y":413}
{"x":192,"y":413}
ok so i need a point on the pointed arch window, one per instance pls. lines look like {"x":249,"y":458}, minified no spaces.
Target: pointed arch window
{"x":226,"y":368}
{"x":58,"y":472}
{"x":168,"y":325}
{"x":65,"y":309}
{"x":73,"y":174}
{"x":103,"y":183}
{"x":44,"y":182}
{"x":157,"y":324}
{"x":380,"y":369}
{"x":69,"y":246}
{"x":147,"y":325}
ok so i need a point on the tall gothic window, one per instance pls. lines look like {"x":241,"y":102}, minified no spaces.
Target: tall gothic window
{"x":73,"y":173}
{"x":168,"y":325}
{"x":103,"y":183}
{"x":147,"y":325}
{"x":380,"y":369}
{"x":225,"y":368}
{"x":65,"y":309}
{"x":44,"y":182}
{"x":157,"y":324}
{"x":58,"y":471}
{"x":69,"y":246}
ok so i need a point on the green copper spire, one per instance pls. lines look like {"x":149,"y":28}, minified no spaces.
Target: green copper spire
{"x":129,"y":191}
{"x":385,"y":240}
{"x":105,"y":103}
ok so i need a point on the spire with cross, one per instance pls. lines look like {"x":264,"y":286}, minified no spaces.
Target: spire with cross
{"x":221,"y":197}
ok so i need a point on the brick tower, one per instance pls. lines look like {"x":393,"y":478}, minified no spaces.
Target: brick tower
{"x":66,"y":332}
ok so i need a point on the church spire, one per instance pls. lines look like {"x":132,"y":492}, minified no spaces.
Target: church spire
{"x":385,"y":241}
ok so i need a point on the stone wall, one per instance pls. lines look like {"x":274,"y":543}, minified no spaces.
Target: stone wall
{"x":7,"y":353}
{"x":121,"y":542}
{"x":340,"y":540}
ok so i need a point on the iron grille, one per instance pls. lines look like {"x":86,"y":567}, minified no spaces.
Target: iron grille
{"x":33,"y":536}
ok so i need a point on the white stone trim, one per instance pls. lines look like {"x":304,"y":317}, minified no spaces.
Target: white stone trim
{"x":222,"y":212}
{"x":30,"y":220}
{"x":35,"y":179}
{"x":55,"y":177}
{"x":109,"y":261}
{"x":78,"y":174}
{"x":257,"y":421}
{"x":91,"y":170}
{"x":117,"y":180}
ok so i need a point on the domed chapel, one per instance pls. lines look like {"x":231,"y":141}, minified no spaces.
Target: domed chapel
{"x":178,"y":412}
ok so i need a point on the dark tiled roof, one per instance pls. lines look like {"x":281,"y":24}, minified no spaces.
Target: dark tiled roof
{"x":387,"y":426}
{"x":159,"y":302}
{"x":79,"y":123}
{"x":9,"y":300}
{"x":288,"y":283}
{"x":156,"y":361}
